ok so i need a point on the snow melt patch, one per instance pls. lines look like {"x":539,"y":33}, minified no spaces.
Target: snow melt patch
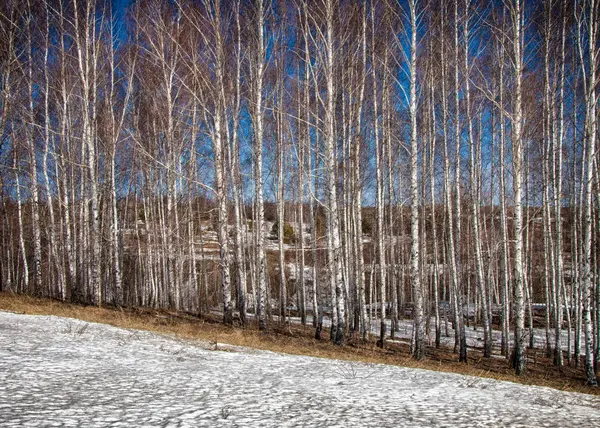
{"x":63,"y":372}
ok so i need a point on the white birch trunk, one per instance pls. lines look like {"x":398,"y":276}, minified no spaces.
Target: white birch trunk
{"x":360,"y":269}
{"x":33,"y":174}
{"x":505,"y":345}
{"x":330,"y":161}
{"x":451,"y":251}
{"x":418,"y":345}
{"x":587,"y":274}
{"x":379,"y":199}
{"x":557,"y":176}
{"x":520,"y":359}
{"x":258,"y":167}
{"x":476,"y":195}
{"x":435,"y":285}
{"x":281,"y":211}
{"x":25,"y":287}
{"x":457,"y":202}
{"x":234,"y":156}
{"x":54,"y":250}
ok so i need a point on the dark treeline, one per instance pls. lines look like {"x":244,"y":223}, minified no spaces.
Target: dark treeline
{"x":362,"y":162}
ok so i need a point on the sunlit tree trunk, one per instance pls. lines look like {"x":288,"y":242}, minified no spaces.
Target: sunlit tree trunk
{"x":587,"y":274}
{"x":381,"y":268}
{"x":548,"y":167}
{"x":281,"y":206}
{"x":25,"y":286}
{"x":457,"y":206}
{"x":302,"y":143}
{"x":258,"y":168}
{"x":418,"y":345}
{"x":391,"y":176}
{"x":558,"y":177}
{"x":357,"y":184}
{"x":333,"y":232}
{"x":505,"y":344}
{"x":33,"y":164}
{"x":219,"y":151}
{"x":54,"y":258}
{"x":432,"y":157}
{"x":520,"y":358}
{"x":234,"y":166}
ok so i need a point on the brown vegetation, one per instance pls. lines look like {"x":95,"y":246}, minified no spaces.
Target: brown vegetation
{"x":300,"y":340}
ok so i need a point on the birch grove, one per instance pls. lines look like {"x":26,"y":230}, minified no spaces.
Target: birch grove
{"x":378,"y":169}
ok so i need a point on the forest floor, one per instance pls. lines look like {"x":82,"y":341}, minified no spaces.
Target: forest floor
{"x":58,"y":371}
{"x":299,"y":340}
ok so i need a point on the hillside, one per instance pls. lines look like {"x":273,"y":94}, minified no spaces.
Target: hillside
{"x":298,"y":340}
{"x":64,"y":371}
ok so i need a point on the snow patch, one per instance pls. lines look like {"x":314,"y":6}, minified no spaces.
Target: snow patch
{"x":63,"y":372}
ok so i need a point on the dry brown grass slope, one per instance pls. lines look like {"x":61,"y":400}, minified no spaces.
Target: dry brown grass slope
{"x":299,"y":340}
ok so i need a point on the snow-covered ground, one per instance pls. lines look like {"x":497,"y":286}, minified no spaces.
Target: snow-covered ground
{"x":64,"y":372}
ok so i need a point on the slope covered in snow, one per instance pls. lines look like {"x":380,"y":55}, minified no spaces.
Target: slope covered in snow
{"x":64,"y":372}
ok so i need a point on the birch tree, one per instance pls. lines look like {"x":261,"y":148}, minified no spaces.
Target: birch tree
{"x":516,"y":17}
{"x":591,"y":99}
{"x":258,"y":167}
{"x":418,"y":343}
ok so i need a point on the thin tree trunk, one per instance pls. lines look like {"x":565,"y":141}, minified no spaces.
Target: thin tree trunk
{"x":433,"y":215}
{"x":234,"y":161}
{"x":381,"y":268}
{"x":25,"y":286}
{"x":505,"y":343}
{"x":418,"y":345}
{"x":33,"y":174}
{"x":591,"y":130}
{"x":451,"y":250}
{"x":258,"y":175}
{"x":459,"y":292}
{"x":280,"y":210}
{"x":476,"y":196}
{"x":557,"y":176}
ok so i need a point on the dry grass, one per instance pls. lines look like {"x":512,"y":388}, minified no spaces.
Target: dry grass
{"x":299,"y":340}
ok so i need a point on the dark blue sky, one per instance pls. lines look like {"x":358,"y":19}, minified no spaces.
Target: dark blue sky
{"x":119,"y":7}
